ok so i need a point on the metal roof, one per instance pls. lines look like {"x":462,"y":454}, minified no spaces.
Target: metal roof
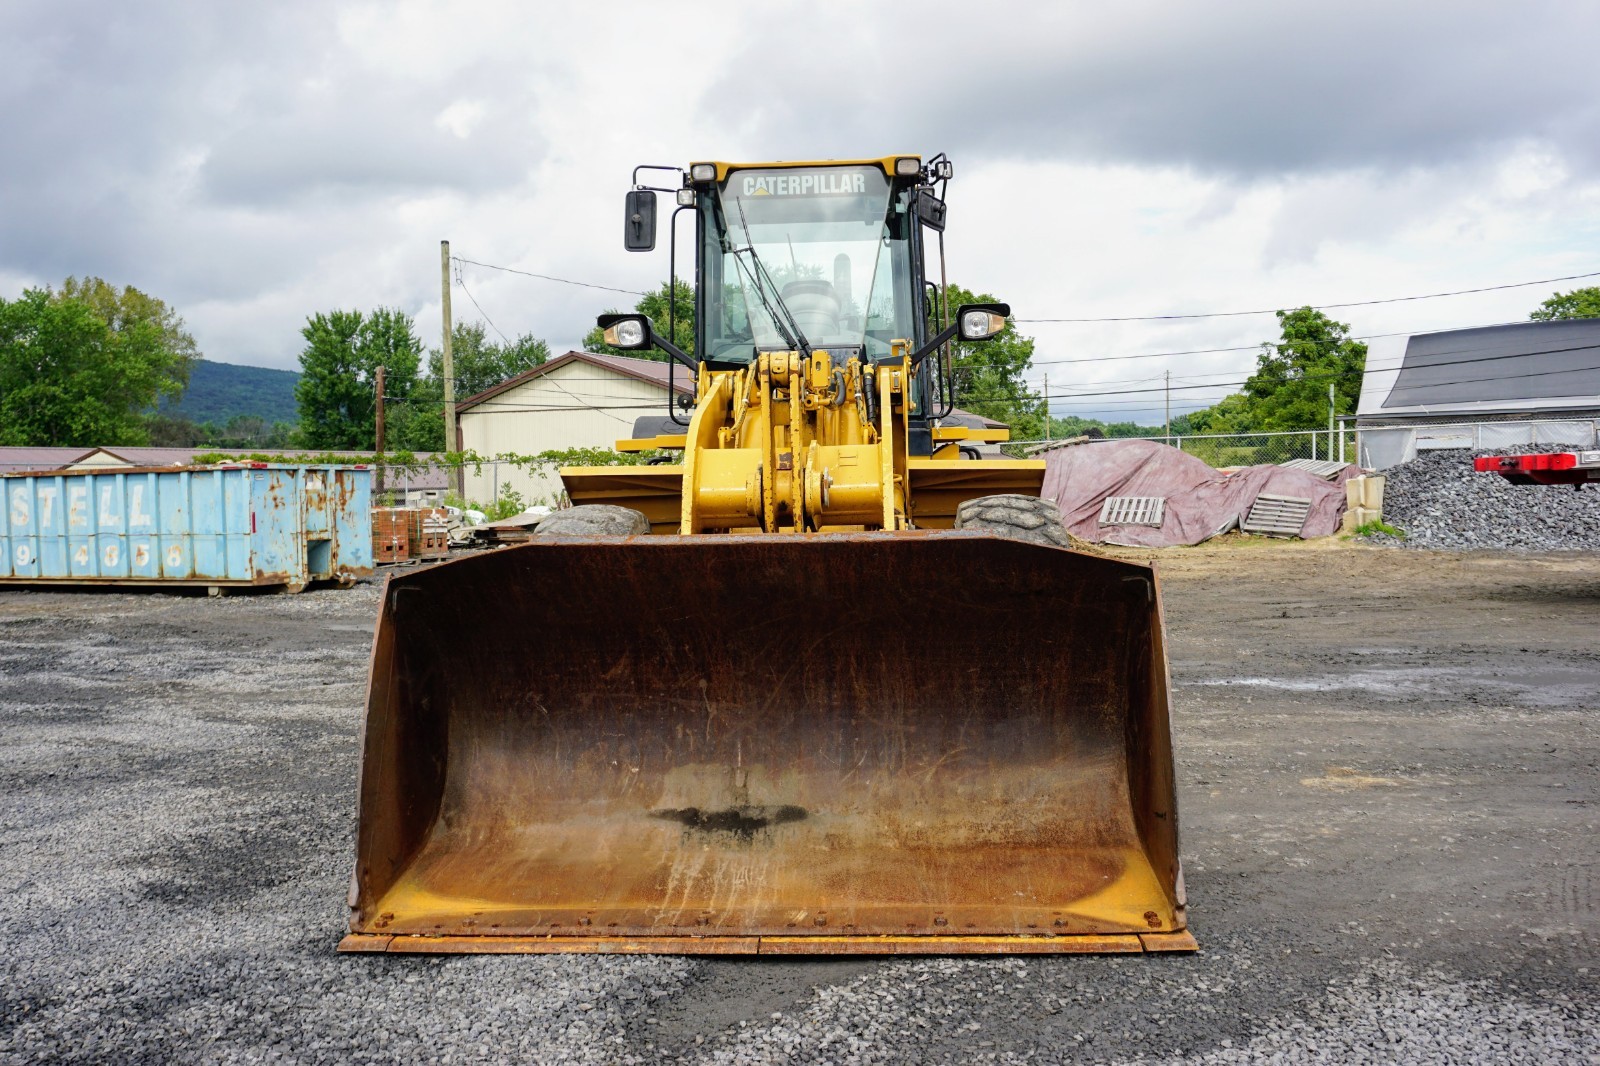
{"x":1521,"y":368}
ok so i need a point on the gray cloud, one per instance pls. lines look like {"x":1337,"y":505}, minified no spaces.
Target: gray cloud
{"x":1241,"y":88}
{"x":253,"y":164}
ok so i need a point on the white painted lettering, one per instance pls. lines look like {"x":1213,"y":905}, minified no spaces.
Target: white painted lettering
{"x":136,"y":515}
{"x":24,"y":554}
{"x":108,"y":513}
{"x":111,"y":553}
{"x":175,"y":557}
{"x":47,"y":500}
{"x":77,"y":505}
{"x":141,"y":555}
{"x":21,"y":512}
{"x":81,"y":556}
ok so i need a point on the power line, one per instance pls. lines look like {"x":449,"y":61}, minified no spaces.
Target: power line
{"x":463,"y":283}
{"x":549,"y":277}
{"x":1320,"y":307}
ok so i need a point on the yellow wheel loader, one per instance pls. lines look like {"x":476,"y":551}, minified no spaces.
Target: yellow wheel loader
{"x":832,"y":682}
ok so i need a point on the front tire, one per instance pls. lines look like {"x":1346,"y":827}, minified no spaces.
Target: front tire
{"x":1016,"y":517}
{"x":594,"y":520}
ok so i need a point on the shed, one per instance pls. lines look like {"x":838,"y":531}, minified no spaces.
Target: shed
{"x":1486,"y":388}
{"x":578,"y":400}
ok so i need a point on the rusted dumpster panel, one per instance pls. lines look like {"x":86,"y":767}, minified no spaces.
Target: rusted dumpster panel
{"x":830,"y":743}
{"x":246,"y":525}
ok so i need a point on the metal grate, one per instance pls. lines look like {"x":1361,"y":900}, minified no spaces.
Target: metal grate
{"x":1282,"y":516}
{"x":1133,"y":510}
{"x":1326,"y":469}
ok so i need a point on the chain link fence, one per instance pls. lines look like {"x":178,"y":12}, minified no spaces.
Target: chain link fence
{"x":1235,"y":449}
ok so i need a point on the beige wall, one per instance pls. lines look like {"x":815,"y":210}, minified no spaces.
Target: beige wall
{"x":503,"y":424}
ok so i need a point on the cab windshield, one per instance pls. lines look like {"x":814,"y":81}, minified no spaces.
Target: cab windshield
{"x":813,"y":256}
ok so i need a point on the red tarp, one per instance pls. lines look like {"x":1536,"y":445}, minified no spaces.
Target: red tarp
{"x":1201,"y":501}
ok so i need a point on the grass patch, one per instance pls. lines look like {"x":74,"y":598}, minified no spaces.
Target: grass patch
{"x":1372,"y":529}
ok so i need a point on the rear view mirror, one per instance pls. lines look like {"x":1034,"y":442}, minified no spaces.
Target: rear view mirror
{"x":639,"y":228}
{"x":930,"y":209}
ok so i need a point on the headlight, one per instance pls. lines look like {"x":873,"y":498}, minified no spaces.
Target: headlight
{"x":628,"y":333}
{"x":981,"y":325}
{"x":908,"y":166}
{"x":703,"y":172}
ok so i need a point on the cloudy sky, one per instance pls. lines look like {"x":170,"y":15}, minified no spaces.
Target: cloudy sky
{"x":252,"y":164}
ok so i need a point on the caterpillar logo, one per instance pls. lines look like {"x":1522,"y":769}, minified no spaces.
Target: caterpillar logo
{"x":812,"y":183}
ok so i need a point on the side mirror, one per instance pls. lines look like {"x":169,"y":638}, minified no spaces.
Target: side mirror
{"x":981,"y":322}
{"x":639,"y":228}
{"x":930,"y":209}
{"x":626,"y":331}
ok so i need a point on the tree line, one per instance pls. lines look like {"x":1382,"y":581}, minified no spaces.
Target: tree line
{"x":88,"y":364}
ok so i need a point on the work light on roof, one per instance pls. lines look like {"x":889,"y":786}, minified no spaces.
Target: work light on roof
{"x":703,"y":172}
{"x":908,"y":166}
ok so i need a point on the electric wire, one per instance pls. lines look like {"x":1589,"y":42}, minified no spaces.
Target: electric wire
{"x":1319,"y":307}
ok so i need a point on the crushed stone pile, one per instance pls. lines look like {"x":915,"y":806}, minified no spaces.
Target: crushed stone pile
{"x":1439,"y":501}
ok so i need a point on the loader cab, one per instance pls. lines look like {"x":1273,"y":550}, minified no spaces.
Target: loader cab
{"x":813,"y":258}
{"x":825,"y":257}
{"x":821,"y":256}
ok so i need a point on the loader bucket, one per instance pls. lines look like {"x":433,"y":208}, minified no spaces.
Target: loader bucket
{"x":928,"y":742}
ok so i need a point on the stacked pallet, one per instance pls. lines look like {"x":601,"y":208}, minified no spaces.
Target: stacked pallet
{"x":428,"y":533}
{"x":391,"y":543}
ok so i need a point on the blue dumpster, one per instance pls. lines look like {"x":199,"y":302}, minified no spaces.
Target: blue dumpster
{"x":255,"y":524}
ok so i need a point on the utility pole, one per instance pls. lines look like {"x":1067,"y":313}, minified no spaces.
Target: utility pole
{"x":1047,"y":408}
{"x":450,"y":445}
{"x":377,"y":488}
{"x":1169,"y":407}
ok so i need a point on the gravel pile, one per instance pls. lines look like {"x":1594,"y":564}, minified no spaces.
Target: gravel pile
{"x":1439,"y":501}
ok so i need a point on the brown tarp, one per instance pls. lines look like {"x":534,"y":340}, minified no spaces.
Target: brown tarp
{"x":1201,"y":501}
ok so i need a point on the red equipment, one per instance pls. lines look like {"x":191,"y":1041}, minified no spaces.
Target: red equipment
{"x":1556,"y":468}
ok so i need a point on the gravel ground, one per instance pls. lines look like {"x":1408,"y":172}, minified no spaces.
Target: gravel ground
{"x":1439,"y":501}
{"x":1388,"y":839}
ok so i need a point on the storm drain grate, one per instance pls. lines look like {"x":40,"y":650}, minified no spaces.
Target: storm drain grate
{"x":1283,"y":516}
{"x":1326,"y":469}
{"x":1133,"y":510}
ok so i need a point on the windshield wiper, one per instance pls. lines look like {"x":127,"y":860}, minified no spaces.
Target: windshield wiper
{"x":785,"y":324}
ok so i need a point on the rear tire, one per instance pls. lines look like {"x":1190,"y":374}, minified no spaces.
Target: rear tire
{"x":1015,"y":517}
{"x":594,"y":520}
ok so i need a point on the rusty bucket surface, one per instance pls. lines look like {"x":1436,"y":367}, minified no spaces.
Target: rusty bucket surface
{"x":925,"y":742}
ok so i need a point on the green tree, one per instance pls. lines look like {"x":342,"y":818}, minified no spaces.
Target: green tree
{"x":68,"y":376}
{"x":127,"y":310}
{"x":1579,"y":303}
{"x":1289,"y":389}
{"x":655,"y":305}
{"x":338,"y":373}
{"x":479,"y":363}
{"x":988,"y":374}
{"x":416,"y":422}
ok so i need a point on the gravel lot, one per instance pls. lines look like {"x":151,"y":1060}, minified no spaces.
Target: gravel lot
{"x":1387,"y":763}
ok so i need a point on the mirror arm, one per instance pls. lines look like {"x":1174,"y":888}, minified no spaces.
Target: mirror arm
{"x":671,"y":349}
{"x":934,"y":343}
